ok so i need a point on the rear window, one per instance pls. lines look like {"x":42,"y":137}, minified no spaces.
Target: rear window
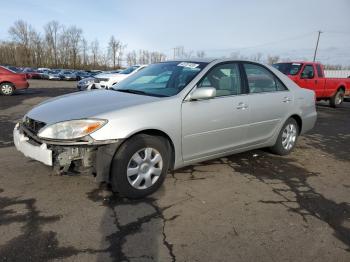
{"x":288,"y":68}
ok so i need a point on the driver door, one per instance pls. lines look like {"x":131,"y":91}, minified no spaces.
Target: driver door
{"x":217,"y":125}
{"x":307,"y":79}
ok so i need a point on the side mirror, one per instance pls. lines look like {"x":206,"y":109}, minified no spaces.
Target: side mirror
{"x":203,"y":93}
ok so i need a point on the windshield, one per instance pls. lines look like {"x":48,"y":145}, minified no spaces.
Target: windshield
{"x":163,"y":79}
{"x":128,"y":70}
{"x":288,"y":68}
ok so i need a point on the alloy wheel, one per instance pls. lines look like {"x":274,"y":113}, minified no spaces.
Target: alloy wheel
{"x":289,"y":136}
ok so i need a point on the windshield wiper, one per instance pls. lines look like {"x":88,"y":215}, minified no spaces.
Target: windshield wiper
{"x":138,"y":92}
{"x":132,"y":91}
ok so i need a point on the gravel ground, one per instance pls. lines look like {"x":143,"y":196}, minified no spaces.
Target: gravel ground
{"x":253,"y":206}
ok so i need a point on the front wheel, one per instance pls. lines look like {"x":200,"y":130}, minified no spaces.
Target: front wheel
{"x":140,"y":165}
{"x":287,"y":138}
{"x":7,"y":89}
{"x":337,"y":99}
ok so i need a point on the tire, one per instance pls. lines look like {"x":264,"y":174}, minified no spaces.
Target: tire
{"x":146,"y":158}
{"x":7,"y":89}
{"x":337,"y":99}
{"x":287,"y":138}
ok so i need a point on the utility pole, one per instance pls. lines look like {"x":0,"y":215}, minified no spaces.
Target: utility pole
{"x":318,"y":39}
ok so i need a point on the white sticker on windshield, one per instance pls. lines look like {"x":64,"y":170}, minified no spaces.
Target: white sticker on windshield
{"x":189,"y":65}
{"x":297,"y":64}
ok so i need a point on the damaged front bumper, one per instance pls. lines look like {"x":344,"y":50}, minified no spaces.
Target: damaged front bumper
{"x":87,"y":155}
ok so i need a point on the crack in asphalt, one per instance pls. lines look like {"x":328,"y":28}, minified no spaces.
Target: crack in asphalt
{"x":118,"y":238}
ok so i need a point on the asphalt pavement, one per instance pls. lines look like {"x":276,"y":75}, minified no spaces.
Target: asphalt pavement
{"x":253,"y":206}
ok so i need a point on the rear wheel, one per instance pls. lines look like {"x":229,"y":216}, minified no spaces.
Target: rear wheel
{"x":287,"y":138}
{"x":140,"y":166}
{"x":7,"y":89}
{"x":337,"y":99}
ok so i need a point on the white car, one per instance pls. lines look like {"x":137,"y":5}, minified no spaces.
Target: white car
{"x":107,"y":80}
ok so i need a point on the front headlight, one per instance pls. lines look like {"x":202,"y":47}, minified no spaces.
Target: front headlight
{"x":72,"y":129}
{"x":87,"y":81}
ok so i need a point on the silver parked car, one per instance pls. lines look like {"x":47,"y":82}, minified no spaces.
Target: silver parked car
{"x":167,"y":116}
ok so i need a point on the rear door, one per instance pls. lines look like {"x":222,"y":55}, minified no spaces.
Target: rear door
{"x":217,"y":125}
{"x":269,"y":102}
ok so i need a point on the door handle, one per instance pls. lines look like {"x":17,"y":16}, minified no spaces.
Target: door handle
{"x":242,"y":106}
{"x":286,"y":100}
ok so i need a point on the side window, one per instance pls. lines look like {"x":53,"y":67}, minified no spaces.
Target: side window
{"x":308,"y":72}
{"x":261,"y":80}
{"x":225,"y":78}
{"x":319,"y":70}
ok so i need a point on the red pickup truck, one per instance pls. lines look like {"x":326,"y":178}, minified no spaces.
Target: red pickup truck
{"x":11,"y":81}
{"x":311,"y":76}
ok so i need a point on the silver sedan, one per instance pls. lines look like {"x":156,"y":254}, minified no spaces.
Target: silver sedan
{"x":167,"y":116}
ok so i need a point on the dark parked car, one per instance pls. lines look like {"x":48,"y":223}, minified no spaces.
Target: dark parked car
{"x":31,"y":73}
{"x":68,"y":75}
{"x":53,"y":75}
{"x":82,"y":74}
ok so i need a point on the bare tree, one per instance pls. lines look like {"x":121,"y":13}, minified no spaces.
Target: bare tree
{"x":37,"y":48}
{"x":95,"y":51}
{"x":51,"y":37}
{"x":200,"y":54}
{"x":65,"y":47}
{"x":131,"y":58}
{"x":20,"y":34}
{"x":85,"y":49}
{"x":115,"y":50}
{"x":8,"y":53}
{"x":74,"y":35}
{"x":144,"y":57}
{"x":257,"y":57}
{"x":272,"y":59}
{"x":104,"y":60}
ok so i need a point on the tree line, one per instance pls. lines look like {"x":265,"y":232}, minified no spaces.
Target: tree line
{"x":58,"y":46}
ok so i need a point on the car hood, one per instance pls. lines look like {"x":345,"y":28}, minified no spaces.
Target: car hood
{"x":85,"y":104}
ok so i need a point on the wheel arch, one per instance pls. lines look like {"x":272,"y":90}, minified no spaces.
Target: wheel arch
{"x":341,"y":87}
{"x":8,"y":82}
{"x":157,"y":132}
{"x":299,"y":121}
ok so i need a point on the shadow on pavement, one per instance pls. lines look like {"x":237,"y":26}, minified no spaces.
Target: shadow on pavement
{"x":331,"y":133}
{"x":33,"y":244}
{"x":273,"y":170}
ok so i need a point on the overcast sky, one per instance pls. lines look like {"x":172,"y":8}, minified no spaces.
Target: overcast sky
{"x":285,"y":28}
